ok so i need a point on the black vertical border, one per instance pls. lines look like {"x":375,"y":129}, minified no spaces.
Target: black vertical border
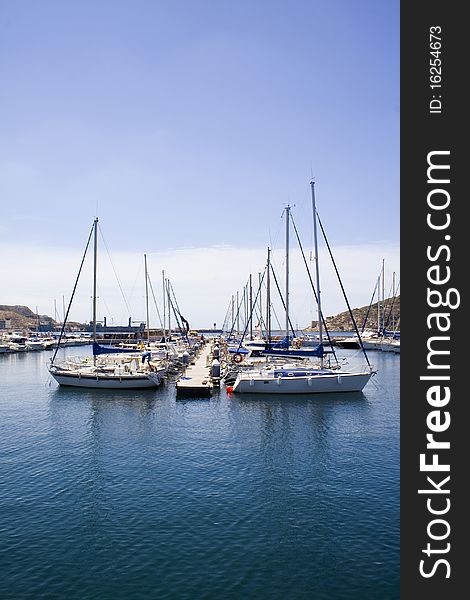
{"x":422,"y":132}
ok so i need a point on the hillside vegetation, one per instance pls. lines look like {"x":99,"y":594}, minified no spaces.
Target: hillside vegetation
{"x":22,"y":317}
{"x":342,"y":321}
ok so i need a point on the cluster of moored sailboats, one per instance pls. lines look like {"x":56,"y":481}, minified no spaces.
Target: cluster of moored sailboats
{"x":18,"y":342}
{"x":287,"y":365}
{"x":386,"y":336}
{"x":126,"y":366}
{"x":247,"y":363}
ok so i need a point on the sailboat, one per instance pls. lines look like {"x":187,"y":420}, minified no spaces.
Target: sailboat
{"x":127,"y":369}
{"x":291,"y":378}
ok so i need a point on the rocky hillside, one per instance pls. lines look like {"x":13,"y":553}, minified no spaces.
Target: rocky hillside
{"x":22,"y":317}
{"x":342,"y":322}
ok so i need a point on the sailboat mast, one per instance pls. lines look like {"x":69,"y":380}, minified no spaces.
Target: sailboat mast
{"x":268,"y":297}
{"x":95,"y":263}
{"x":383,"y":294}
{"x":317,"y":265}
{"x":169,"y":307}
{"x":260,"y":281}
{"x":233,"y":312}
{"x":251,"y":308}
{"x":287,"y":269}
{"x":260,"y":305}
{"x":378,"y":302}
{"x":164,"y":306}
{"x":238,"y":314}
{"x":147,"y":297}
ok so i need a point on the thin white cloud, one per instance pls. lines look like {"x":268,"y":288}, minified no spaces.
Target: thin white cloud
{"x":204,"y":280}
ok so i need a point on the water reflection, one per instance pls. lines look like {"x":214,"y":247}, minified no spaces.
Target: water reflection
{"x":176,"y":494}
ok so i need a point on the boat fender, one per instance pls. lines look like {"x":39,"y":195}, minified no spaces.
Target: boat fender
{"x":238,"y":358}
{"x":339,"y":378}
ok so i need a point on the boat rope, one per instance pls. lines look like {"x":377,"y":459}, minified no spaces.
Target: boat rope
{"x":115,"y":272}
{"x":261,"y":324}
{"x":170,"y":287}
{"x":246,"y":325}
{"x":155,"y":301}
{"x":71,"y":297}
{"x":236,"y":316}
{"x":275,"y":316}
{"x":344,"y":292}
{"x":282,"y":299}
{"x":364,"y":322}
{"x":225,"y":326}
{"x":313,"y":288}
{"x":176,"y":313}
{"x":100,"y":297}
{"x":391,"y":308}
{"x":183,"y":320}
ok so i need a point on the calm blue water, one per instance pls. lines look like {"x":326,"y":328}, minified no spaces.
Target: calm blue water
{"x":137,"y":495}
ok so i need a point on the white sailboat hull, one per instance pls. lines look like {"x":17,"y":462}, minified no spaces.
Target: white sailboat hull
{"x":106,"y":381}
{"x":314,"y":384}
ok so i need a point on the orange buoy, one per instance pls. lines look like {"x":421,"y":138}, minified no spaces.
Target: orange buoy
{"x":229,"y":389}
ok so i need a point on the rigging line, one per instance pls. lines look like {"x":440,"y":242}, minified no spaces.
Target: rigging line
{"x":155,"y":301}
{"x":227,"y":317}
{"x":364,"y":322}
{"x":71,"y":297}
{"x":235,"y":314}
{"x":260,"y":319}
{"x":344,"y":292}
{"x":259,"y":315}
{"x":115,"y":273}
{"x":180,"y":325}
{"x":137,"y":277}
{"x":386,"y":300}
{"x":175,"y":312}
{"x":225,"y":323}
{"x":248,"y":320}
{"x":391,"y":307}
{"x":239,"y":307}
{"x":276,"y":234}
{"x":276,"y":317}
{"x":282,"y":299}
{"x":174,"y":297}
{"x":314,"y":290}
{"x":101,"y":297}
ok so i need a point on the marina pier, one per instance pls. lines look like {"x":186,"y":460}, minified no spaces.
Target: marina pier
{"x":196,"y":380}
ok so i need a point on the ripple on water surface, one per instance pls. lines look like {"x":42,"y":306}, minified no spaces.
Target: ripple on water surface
{"x":137,"y":495}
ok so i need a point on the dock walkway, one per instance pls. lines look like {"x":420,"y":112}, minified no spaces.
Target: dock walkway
{"x":196,"y":380}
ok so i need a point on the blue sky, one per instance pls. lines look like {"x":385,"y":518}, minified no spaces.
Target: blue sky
{"x":191,"y":124}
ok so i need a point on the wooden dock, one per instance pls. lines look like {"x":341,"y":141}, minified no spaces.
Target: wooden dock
{"x":196,"y":380}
